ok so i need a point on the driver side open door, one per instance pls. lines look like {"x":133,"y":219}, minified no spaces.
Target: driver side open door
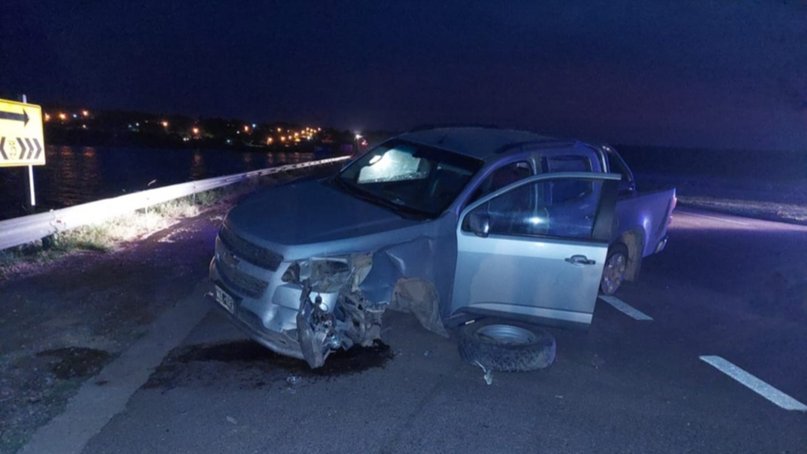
{"x":535,"y":249}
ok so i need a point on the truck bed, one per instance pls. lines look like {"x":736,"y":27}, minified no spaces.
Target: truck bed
{"x":647,"y":214}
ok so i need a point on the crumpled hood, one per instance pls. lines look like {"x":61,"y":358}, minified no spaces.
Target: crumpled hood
{"x":309,"y":212}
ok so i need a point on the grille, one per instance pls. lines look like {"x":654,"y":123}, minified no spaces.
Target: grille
{"x":240,"y":281}
{"x":250,"y":252}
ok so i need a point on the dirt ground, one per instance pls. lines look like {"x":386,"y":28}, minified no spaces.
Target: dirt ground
{"x":63,"y":321}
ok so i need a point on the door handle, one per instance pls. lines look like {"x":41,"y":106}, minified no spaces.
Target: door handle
{"x":580,"y":260}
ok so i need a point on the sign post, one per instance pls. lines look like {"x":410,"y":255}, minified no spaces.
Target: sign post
{"x":22,"y":142}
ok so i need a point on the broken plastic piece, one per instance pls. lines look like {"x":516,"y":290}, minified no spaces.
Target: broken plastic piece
{"x":488,"y":373}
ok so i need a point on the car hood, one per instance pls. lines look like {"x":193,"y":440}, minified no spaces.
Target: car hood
{"x":309,"y":212}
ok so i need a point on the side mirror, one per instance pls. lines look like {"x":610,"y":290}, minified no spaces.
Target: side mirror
{"x":479,"y":224}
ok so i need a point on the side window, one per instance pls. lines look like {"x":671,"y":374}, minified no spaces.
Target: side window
{"x":565,"y":191}
{"x":501,"y":177}
{"x":532,"y":210}
{"x":567,"y":163}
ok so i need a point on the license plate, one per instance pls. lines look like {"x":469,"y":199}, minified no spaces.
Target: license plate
{"x":225,"y":300}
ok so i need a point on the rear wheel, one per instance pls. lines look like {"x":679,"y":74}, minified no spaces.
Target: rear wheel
{"x":506,"y":346}
{"x":616,"y":266}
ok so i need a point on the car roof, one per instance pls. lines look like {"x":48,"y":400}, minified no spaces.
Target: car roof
{"x":479,"y":142}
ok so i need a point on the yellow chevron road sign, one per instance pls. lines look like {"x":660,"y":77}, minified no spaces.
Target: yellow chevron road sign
{"x":22,"y":142}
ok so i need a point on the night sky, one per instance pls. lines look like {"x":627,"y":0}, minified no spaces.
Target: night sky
{"x":723,"y":74}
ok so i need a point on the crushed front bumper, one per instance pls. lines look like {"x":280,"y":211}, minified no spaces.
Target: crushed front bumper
{"x":259,"y":316}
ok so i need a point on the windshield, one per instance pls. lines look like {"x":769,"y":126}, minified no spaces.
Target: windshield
{"x":409,"y":177}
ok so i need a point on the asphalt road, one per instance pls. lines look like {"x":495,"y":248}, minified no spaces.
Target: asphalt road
{"x":726,"y":286}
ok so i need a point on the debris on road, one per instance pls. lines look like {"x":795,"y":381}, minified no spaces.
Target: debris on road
{"x":488,"y":373}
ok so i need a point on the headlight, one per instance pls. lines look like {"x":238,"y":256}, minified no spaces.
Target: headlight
{"x":329,"y":274}
{"x":292,"y":273}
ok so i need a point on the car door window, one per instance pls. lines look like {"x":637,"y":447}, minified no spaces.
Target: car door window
{"x":553,"y":208}
{"x":501,"y":177}
{"x":568,"y":163}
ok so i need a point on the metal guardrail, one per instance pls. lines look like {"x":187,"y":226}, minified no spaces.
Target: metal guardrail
{"x":22,"y":230}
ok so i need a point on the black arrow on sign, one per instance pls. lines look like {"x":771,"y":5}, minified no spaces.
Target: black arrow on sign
{"x":23,"y":150}
{"x":38,"y":148}
{"x":23,"y":117}
{"x":2,"y":148}
{"x":30,"y":148}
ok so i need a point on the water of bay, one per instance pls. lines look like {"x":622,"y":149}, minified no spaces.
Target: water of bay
{"x":75,"y":175}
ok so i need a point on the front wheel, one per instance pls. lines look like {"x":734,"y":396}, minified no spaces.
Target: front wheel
{"x":616,"y":266}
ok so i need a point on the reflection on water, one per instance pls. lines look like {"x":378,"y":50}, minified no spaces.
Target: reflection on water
{"x":76,"y":175}
{"x":74,"y":170}
{"x":198,"y":166}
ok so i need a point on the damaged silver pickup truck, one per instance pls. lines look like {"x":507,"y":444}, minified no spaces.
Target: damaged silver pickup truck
{"x":506,"y":229}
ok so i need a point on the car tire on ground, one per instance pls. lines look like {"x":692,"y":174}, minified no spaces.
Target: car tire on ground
{"x":613,"y":272}
{"x":506,"y":346}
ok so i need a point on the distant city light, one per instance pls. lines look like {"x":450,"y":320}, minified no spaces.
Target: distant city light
{"x":289,"y":136}
{"x":358,"y":136}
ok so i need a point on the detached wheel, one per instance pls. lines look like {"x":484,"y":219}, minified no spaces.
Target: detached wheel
{"x":613,"y":272}
{"x":506,"y":346}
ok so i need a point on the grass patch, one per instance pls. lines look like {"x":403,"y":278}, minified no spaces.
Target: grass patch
{"x":110,"y":234}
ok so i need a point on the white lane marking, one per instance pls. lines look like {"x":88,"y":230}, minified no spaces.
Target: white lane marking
{"x":625,"y":308}
{"x":720,"y":219}
{"x":765,"y":390}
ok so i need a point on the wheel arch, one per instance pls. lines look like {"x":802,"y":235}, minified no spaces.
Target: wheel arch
{"x":634,"y":241}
